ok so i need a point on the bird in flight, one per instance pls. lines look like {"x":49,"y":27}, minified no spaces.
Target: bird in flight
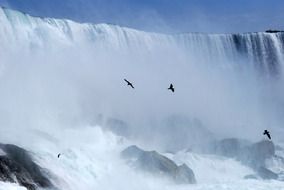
{"x":58,"y":155}
{"x":129,"y":83}
{"x":171,"y":88}
{"x":267,"y":133}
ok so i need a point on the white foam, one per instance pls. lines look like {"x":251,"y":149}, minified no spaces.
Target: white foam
{"x":93,"y":161}
{"x":10,"y":186}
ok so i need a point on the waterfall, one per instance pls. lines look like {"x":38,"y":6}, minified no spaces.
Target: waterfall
{"x":262,"y":51}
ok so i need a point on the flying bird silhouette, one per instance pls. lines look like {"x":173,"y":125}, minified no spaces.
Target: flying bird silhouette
{"x":58,"y":155}
{"x":267,"y":133}
{"x":129,"y":83}
{"x":171,"y":88}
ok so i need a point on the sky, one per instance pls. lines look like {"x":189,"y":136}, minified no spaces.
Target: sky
{"x":169,"y":16}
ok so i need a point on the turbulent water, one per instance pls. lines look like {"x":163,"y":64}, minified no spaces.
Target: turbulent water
{"x":61,"y":82}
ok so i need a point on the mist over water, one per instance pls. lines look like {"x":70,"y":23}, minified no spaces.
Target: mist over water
{"x":58,"y":74}
{"x":62,"y":91}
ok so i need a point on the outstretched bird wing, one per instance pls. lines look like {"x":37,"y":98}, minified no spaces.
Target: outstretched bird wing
{"x":129,"y":83}
{"x":268,"y":135}
{"x":126,"y":81}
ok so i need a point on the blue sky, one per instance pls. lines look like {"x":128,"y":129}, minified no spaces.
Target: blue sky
{"x":174,"y":16}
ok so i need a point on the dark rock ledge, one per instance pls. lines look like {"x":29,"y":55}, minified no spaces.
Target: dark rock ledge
{"x":17,"y":166}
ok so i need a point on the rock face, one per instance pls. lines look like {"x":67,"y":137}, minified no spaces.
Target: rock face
{"x":256,"y":154}
{"x":253,"y":155}
{"x":16,"y":166}
{"x":265,"y":173}
{"x":155,"y":163}
{"x":185,"y":175}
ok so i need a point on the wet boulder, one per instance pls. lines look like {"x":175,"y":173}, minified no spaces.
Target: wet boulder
{"x":185,"y":175}
{"x":262,"y":173}
{"x":265,"y":173}
{"x":256,"y":154}
{"x":17,"y":166}
{"x":253,"y":155}
{"x":155,"y":163}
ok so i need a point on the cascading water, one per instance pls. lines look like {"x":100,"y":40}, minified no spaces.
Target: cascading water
{"x":60,"y":79}
{"x":262,"y":50}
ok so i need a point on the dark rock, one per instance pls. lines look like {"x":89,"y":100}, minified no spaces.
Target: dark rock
{"x":155,"y":163}
{"x":132,"y":152}
{"x":265,"y":173}
{"x":253,"y":155}
{"x":257,"y":153}
{"x":185,"y":175}
{"x":262,"y":173}
{"x":9,"y":170}
{"x":17,"y":166}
